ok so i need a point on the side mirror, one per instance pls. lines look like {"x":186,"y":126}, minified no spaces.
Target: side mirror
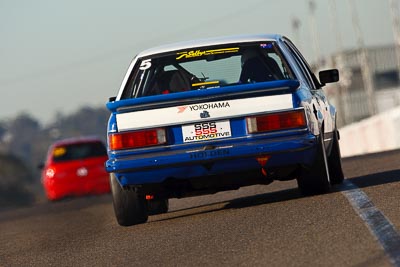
{"x":328,"y":76}
{"x":112,"y":99}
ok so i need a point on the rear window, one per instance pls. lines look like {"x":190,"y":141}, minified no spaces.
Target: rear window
{"x":78,"y":151}
{"x":207,"y":68}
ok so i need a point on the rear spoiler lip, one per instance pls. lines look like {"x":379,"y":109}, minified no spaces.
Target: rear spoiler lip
{"x":196,"y":96}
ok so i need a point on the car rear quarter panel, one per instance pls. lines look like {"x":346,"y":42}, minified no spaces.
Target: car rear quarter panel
{"x":157,"y":163}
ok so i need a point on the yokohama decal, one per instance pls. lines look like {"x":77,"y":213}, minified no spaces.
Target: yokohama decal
{"x":191,"y":113}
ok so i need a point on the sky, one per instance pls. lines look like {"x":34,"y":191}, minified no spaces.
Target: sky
{"x":58,"y":56}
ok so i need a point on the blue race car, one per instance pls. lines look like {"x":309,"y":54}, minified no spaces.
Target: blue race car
{"x":205,"y":116}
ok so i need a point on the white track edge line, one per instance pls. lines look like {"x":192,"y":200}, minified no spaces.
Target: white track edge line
{"x":380,"y":226}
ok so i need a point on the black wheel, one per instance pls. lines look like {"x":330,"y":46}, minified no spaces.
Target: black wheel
{"x":130,"y":208}
{"x":314,"y":179}
{"x":158,"y":206}
{"x":335,"y":162}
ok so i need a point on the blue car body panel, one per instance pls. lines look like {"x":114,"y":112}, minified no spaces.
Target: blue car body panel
{"x":154,"y":165}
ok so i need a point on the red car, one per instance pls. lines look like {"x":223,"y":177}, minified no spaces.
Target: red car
{"x":75,"y":166}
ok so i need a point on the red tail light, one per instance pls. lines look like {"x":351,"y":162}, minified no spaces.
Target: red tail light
{"x":149,"y":197}
{"x":277,"y":121}
{"x":137,"y":139}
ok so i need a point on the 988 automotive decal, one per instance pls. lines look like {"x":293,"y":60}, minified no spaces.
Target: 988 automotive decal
{"x":205,"y":128}
{"x":206,"y":131}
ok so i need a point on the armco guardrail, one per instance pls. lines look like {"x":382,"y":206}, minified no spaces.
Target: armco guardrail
{"x":375,"y":134}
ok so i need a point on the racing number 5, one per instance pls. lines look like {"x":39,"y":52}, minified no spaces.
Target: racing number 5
{"x":145,"y":64}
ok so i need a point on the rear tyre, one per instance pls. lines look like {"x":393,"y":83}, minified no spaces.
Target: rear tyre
{"x":335,"y":162}
{"x":158,"y":206}
{"x":315,"y":178}
{"x":130,"y":208}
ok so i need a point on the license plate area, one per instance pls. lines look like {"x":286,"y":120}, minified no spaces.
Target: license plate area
{"x":203,"y":131}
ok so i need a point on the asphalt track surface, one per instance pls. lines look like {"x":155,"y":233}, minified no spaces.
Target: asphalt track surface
{"x":357,"y":224}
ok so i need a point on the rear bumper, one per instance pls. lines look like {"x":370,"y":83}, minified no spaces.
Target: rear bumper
{"x":213,"y":160}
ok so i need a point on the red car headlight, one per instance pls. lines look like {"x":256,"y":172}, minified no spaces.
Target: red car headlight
{"x":50,"y":172}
